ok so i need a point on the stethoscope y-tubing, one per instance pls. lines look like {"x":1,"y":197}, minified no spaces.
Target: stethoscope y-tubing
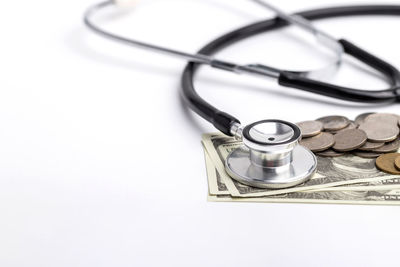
{"x":224,"y":121}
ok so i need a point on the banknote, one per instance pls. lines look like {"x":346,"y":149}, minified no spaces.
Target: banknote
{"x":215,"y":184}
{"x":391,"y":197}
{"x":371,"y":195}
{"x":343,"y":171}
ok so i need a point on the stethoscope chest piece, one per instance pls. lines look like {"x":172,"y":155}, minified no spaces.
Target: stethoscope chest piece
{"x":271,"y":157}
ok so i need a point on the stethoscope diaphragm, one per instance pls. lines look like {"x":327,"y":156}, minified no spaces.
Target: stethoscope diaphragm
{"x":270,"y":156}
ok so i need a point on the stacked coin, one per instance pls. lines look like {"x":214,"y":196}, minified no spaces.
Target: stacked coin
{"x":369,"y":135}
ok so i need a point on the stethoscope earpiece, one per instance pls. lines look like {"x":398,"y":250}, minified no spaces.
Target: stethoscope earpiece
{"x":270,"y":156}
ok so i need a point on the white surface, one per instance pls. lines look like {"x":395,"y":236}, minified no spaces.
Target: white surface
{"x":100,"y":165}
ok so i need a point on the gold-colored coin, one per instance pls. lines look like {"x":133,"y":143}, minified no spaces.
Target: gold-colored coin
{"x":397,"y":163}
{"x":318,"y":143}
{"x":386,"y":163}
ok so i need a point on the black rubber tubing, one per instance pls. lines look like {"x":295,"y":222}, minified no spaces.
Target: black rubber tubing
{"x":223,"y":121}
{"x":392,"y":74}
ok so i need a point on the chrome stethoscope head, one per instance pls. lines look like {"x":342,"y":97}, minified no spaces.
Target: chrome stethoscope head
{"x":270,"y":156}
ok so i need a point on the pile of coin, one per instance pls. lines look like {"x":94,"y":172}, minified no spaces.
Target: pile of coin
{"x":370,"y":135}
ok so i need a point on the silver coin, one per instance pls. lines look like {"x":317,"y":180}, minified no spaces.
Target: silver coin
{"x":310,"y":128}
{"x":330,"y":153}
{"x":361,"y":118}
{"x":334,"y":123}
{"x":367,"y":155}
{"x":348,"y":140}
{"x":352,"y":125}
{"x":387,"y":118}
{"x":369,"y":146}
{"x":389,"y":147}
{"x":318,"y":143}
{"x":379,"y":132}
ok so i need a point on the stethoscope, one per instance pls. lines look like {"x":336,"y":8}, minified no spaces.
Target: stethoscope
{"x":270,"y":156}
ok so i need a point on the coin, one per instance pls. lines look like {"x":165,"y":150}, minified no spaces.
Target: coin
{"x":348,"y":140}
{"x":368,"y":146}
{"x":386,"y":118}
{"x":398,"y":122}
{"x":330,"y":153}
{"x":360,"y":118}
{"x":385,"y":163}
{"x":379,"y":132}
{"x":367,"y":155}
{"x":388,"y":147}
{"x":310,"y":128}
{"x":334,"y":123}
{"x":397,"y":163}
{"x":352,"y":125}
{"x":318,"y":143}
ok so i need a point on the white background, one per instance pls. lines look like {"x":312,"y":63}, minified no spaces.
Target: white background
{"x":101,"y":165}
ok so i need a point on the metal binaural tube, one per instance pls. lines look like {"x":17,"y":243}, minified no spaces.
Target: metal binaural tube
{"x":325,"y":38}
{"x":197,"y":58}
